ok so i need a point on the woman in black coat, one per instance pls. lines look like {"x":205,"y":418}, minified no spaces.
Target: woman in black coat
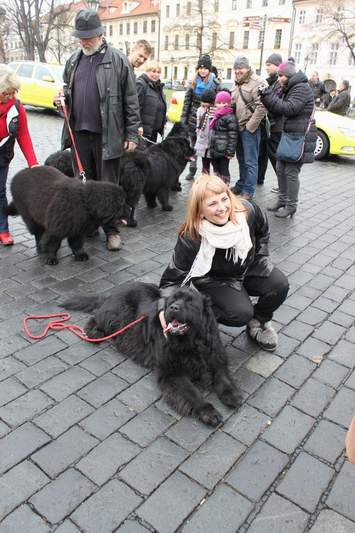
{"x":222,"y":251}
{"x":152,"y":103}
{"x":297,"y":108}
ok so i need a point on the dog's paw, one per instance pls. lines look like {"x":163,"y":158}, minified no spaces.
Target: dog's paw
{"x":132,"y":223}
{"x":167,"y":208}
{"x":51,"y":261}
{"x":231,"y":398}
{"x":209,"y":415}
{"x":82,"y":256}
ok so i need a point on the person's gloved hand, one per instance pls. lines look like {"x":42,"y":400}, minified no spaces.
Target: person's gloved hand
{"x":261,"y":89}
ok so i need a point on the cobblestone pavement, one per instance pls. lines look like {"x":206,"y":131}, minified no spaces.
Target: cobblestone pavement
{"x":88,"y":445}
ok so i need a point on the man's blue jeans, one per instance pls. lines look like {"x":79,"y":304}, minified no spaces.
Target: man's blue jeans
{"x":3,"y":200}
{"x":247,"y":155}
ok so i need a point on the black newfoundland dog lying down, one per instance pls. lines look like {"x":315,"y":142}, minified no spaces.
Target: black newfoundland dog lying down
{"x":55,"y":207}
{"x":192,"y":350}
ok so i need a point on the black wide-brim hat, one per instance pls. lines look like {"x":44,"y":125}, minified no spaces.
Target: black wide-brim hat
{"x":87,"y":24}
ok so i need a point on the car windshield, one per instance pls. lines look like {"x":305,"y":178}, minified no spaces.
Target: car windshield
{"x":57,"y":72}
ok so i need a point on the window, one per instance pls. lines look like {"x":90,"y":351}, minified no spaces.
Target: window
{"x":298,"y":50}
{"x":178,"y":10}
{"x":302,"y":17}
{"x":152,"y":55}
{"x":216,"y":5}
{"x":234,"y":5}
{"x":261,"y":39}
{"x":319,"y":16}
{"x":110,"y":30}
{"x":199,"y":41}
{"x":229,"y":73}
{"x":265,"y":3}
{"x":186,"y":72}
{"x":188,"y":8}
{"x":231,"y":40}
{"x":166,"y":42}
{"x":165,"y":72}
{"x":145,"y":26}
{"x":25,"y":71}
{"x":128,"y":28}
{"x":278,"y":35}
{"x":187,"y":41}
{"x":214,"y":41}
{"x":121,"y":29}
{"x":314,"y":54}
{"x":135,"y":27}
{"x":351,"y":60}
{"x":249,"y":4}
{"x":282,"y":2}
{"x":175,"y":73}
{"x":41,"y":72}
{"x":152,"y":26}
{"x":167,"y":11}
{"x":246,"y":39}
{"x":333,"y":53}
{"x":176,"y":42}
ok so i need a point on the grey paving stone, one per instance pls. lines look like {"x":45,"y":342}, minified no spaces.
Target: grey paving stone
{"x":350,"y":334}
{"x":104,"y":460}
{"x":107,"y":419}
{"x":285,"y":314}
{"x":313,"y":397}
{"x":341,"y":497}
{"x":25,"y":407}
{"x":342,"y":408}
{"x":102,"y":389}
{"x":23,"y":520}
{"x":79,"y":352}
{"x":225,"y":510}
{"x":60,"y":497}
{"x":343,"y":353}
{"x":325,"y":304}
{"x":63,"y":415}
{"x":147,"y":426}
{"x":351,"y":381}
{"x":9,"y":366}
{"x":335,"y":293}
{"x":264,"y":363}
{"x":67,"y":383}
{"x":11,"y":345}
{"x":327,"y":441}
{"x":4,"y":429}
{"x":298,"y":301}
{"x":151,"y":467}
{"x":131,"y":526}
{"x":89,"y":515}
{"x":286,"y":345}
{"x":302,"y":488}
{"x":288,"y":429}
{"x":279,"y":516}
{"x":42,"y":371}
{"x":330,"y":522}
{"x":213,"y":459}
{"x":298,"y":330}
{"x":64,"y":451}
{"x":141,"y":394}
{"x":271,"y":396}
{"x":247,"y":381}
{"x":329,"y":332}
{"x":178,"y":496}
{"x":348,"y":307}
{"x":257,"y":470}
{"x":11,"y":389}
{"x":341,"y":318}
{"x":18,"y":485}
{"x":40,"y":350}
{"x":295,"y":370}
{"x":19,"y":444}
{"x":101,"y":362}
{"x":130,"y":371}
{"x":312,"y":316}
{"x":330,"y":373}
{"x":313,"y":348}
{"x":188,"y":432}
{"x":67,"y":527}
{"x":246,"y":424}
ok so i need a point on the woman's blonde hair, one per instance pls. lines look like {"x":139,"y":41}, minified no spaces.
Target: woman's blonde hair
{"x":9,"y":81}
{"x":199,"y":190}
{"x":152,"y":65}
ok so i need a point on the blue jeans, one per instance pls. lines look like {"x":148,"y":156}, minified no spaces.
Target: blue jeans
{"x":3,"y":200}
{"x":247,"y":155}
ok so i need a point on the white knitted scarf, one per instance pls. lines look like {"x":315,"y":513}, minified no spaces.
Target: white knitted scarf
{"x":234,"y":238}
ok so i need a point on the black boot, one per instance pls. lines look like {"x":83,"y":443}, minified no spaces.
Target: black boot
{"x":192,"y":172}
{"x":275,"y":207}
{"x":285,"y":212}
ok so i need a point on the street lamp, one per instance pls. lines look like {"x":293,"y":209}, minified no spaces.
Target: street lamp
{"x":93,"y":4}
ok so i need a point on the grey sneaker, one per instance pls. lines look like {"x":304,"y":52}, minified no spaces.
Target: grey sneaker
{"x":113,"y":242}
{"x":263,"y":334}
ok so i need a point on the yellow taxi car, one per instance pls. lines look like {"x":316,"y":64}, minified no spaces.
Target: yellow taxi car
{"x":40,"y":82}
{"x":336,"y":134}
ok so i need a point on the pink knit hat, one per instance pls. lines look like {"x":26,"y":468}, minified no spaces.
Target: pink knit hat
{"x":286,"y":69}
{"x":223,"y":97}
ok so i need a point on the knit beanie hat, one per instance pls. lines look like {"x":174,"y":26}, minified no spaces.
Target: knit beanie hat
{"x":274,"y":59}
{"x":241,"y":62}
{"x":208,"y":96}
{"x":223,"y":97}
{"x":286,"y":69}
{"x":205,"y":61}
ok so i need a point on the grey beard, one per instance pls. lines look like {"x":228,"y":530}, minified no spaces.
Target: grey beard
{"x":92,"y":51}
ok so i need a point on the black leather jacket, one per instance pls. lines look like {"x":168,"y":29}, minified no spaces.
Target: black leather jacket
{"x":223,"y":271}
{"x":119,"y":106}
{"x":191,"y":104}
{"x":224,"y":137}
{"x":152,"y":105}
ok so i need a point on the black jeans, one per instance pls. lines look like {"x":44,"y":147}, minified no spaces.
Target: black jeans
{"x":221,"y":168}
{"x":3,"y":199}
{"x":272,"y":144}
{"x":233,"y":307}
{"x":89,"y":146}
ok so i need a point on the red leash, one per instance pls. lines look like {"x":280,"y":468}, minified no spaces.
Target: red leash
{"x":78,"y":161}
{"x":58,"y":325}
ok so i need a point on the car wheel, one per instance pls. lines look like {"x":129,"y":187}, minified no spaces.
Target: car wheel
{"x":322,"y":145}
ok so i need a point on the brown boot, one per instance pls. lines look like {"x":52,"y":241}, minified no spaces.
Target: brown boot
{"x":113,"y":242}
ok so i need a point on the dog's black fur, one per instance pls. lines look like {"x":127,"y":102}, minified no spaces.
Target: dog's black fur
{"x":62,"y":161}
{"x":195,"y":354}
{"x":55,"y":207}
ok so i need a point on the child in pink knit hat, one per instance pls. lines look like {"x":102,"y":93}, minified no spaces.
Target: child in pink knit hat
{"x":224,"y":136}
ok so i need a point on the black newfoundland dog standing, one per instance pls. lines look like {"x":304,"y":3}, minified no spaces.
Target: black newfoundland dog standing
{"x":191,"y":350}
{"x":55,"y":207}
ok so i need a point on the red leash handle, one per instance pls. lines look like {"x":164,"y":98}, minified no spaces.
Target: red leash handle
{"x":78,"y":161}
{"x":58,"y":325}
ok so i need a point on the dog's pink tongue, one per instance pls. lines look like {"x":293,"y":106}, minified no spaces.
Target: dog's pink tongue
{"x":175,"y":323}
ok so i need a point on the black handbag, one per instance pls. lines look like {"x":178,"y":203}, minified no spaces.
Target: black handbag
{"x":291,"y":146}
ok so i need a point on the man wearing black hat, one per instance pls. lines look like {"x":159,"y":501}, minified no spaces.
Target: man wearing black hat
{"x":101,"y":97}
